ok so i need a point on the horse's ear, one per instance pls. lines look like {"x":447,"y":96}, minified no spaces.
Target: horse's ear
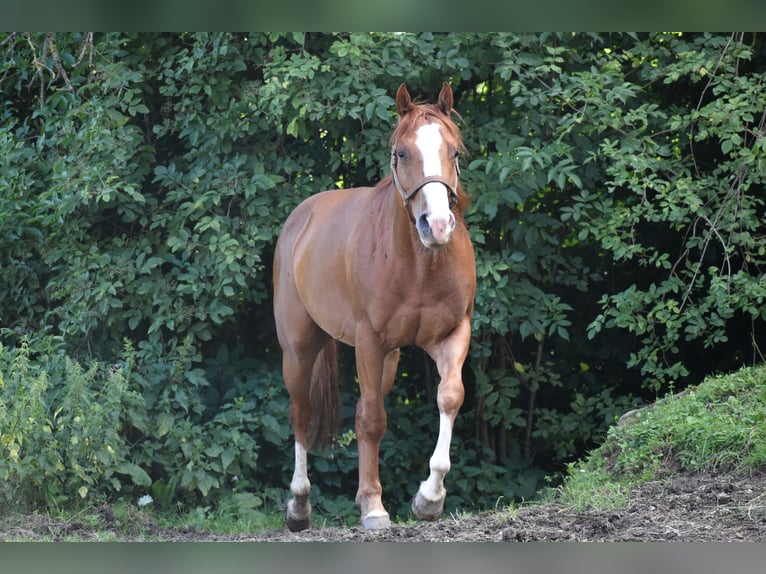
{"x":445,"y":99}
{"x":403,"y":101}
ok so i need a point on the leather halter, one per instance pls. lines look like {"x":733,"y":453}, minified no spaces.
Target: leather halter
{"x":408,"y":194}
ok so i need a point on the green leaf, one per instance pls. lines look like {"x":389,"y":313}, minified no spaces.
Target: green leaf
{"x":526,"y":329}
{"x":138,"y":474}
{"x":227,"y":457}
{"x":165,"y":423}
{"x":490,"y":206}
{"x":292,"y":127}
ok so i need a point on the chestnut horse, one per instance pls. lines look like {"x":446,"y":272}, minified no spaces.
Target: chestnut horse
{"x":378,"y":268}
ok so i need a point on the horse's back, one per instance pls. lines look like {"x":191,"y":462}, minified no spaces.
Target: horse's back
{"x":323,"y":212}
{"x":311,"y":257}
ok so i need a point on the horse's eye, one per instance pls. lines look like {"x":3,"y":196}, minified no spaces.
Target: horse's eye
{"x":456,"y":154}
{"x":401,"y":154}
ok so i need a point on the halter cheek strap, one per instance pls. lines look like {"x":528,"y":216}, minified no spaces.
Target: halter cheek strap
{"x":408,"y":194}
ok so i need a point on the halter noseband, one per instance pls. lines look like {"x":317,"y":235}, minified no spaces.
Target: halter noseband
{"x":407,"y":195}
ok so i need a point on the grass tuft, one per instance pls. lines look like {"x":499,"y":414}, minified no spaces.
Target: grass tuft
{"x":718,"y":426}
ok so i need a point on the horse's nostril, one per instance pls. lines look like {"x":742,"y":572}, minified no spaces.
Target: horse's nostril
{"x":423,"y":224}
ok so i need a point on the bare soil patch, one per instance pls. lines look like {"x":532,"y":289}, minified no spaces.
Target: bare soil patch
{"x":698,"y":507}
{"x":682,"y":508}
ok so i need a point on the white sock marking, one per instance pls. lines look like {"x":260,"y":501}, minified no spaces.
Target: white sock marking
{"x":433,"y":487}
{"x":300,"y":484}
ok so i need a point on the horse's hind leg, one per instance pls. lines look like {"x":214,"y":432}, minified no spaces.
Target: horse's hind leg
{"x":298,"y":512}
{"x":296,"y":369}
{"x":376,"y":377}
{"x":301,"y":340}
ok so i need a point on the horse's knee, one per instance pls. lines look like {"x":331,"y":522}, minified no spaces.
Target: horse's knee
{"x":371,"y":420}
{"x":450,"y":396}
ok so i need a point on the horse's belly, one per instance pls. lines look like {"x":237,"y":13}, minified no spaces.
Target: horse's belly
{"x":335,"y":324}
{"x":325,"y":299}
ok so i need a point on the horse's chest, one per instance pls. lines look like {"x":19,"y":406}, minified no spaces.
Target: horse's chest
{"x":417,"y":321}
{"x":411,"y":304}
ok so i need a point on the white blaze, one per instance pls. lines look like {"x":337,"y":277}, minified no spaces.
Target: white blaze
{"x":429,"y":142}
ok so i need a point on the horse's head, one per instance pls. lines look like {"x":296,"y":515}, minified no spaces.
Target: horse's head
{"x":424,"y":149}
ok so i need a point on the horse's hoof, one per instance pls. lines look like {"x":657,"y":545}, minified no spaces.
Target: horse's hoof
{"x":425,"y":509}
{"x":295,"y":520}
{"x":297,"y":524}
{"x":376,"y":520}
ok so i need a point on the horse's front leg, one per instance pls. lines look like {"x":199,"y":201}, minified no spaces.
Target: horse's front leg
{"x":376,"y":372}
{"x":449,"y":356}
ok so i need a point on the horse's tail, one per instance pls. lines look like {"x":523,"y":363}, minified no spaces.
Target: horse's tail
{"x":325,"y":398}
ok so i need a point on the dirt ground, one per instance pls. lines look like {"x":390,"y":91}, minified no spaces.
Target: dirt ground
{"x":682,"y":508}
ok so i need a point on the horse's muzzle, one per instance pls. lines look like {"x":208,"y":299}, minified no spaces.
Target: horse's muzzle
{"x":435,"y":230}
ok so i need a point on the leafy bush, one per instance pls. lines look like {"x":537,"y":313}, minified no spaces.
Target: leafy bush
{"x":62,"y":430}
{"x":214,"y":428}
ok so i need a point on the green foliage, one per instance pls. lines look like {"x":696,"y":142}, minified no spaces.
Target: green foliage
{"x":683,"y":202}
{"x":70,"y":434}
{"x":216,"y":428}
{"x":617,"y":214}
{"x":63,"y":428}
{"x":717,"y":426}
